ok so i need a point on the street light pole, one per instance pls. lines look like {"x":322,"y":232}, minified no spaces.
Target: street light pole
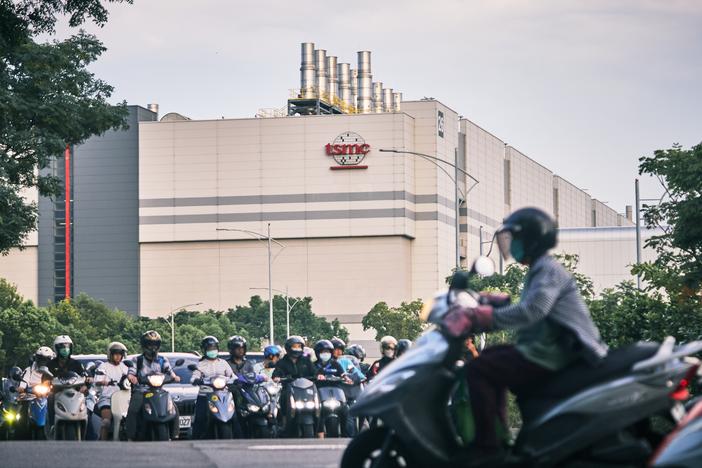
{"x":173,"y":322}
{"x":270,"y":262}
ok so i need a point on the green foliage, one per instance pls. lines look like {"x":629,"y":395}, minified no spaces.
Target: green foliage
{"x":400,"y":322}
{"x":48,"y":99}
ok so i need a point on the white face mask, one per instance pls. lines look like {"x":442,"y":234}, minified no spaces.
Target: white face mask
{"x":390,"y":353}
{"x":325,"y":356}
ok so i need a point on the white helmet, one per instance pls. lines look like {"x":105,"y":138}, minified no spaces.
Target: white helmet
{"x":45,"y":353}
{"x":63,"y":340}
{"x":387,"y":342}
{"x":116,"y":346}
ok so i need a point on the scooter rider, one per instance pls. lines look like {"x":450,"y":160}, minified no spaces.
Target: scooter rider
{"x":237,"y":356}
{"x":147,"y":363}
{"x":388,"y":345}
{"x":210,"y":365}
{"x":349,"y":366}
{"x":359,"y":352}
{"x":63,"y":363}
{"x":293,"y":365}
{"x":31,"y":375}
{"x":271,"y":354}
{"x":107,"y":376}
{"x":327,"y":366}
{"x":553,"y":326}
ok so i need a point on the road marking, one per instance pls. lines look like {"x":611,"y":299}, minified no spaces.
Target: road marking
{"x":298,"y":447}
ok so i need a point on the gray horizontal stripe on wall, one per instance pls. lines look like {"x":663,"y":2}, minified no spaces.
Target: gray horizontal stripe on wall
{"x":296,"y":216}
{"x":479,"y":217}
{"x":293,"y":198}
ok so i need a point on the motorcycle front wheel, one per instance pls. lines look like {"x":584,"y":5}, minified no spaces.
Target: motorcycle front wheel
{"x":375,"y":447}
{"x":160,"y":432}
{"x":223,"y":430}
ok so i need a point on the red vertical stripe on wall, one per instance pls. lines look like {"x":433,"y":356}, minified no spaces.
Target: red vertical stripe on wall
{"x":67,"y":196}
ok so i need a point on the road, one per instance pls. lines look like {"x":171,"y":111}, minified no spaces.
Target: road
{"x":204,"y":454}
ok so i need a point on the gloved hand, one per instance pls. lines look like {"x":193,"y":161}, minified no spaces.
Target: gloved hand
{"x":495,"y":299}
{"x":197,"y":382}
{"x":461,"y":321}
{"x":482,"y":318}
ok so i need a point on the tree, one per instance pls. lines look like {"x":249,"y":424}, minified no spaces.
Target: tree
{"x":48,"y":100}
{"x":400,"y":322}
{"x":678,"y":267}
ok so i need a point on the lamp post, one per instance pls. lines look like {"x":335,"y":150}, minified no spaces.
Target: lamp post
{"x":434,"y":160}
{"x":173,"y":322}
{"x":270,"y":262}
{"x":288,"y":307}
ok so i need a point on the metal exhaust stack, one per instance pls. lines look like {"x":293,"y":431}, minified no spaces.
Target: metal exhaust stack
{"x":320,"y":62}
{"x":365,"y":99}
{"x":377,"y":96}
{"x":397,"y":102}
{"x":332,"y":79}
{"x":387,"y":100}
{"x":153,"y":108}
{"x":354,"y":88}
{"x":344,"y":73}
{"x":307,"y":72}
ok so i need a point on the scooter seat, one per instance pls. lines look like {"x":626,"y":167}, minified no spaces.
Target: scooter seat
{"x":569,"y":381}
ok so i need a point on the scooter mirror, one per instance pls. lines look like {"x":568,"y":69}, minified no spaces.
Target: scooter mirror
{"x":99,"y":372}
{"x":179,"y":362}
{"x":43,"y":370}
{"x":484,"y":266}
{"x":90,"y":367}
{"x":128,"y":363}
{"x":192,"y":367}
{"x":16,"y":373}
{"x":482,"y":341}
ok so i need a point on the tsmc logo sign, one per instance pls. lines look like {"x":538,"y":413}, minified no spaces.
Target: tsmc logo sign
{"x":348,"y":150}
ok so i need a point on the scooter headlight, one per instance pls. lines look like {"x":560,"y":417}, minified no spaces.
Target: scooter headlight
{"x":170,"y":406}
{"x":40,"y":390}
{"x":331,"y":404}
{"x":17,"y":417}
{"x":219,"y":383}
{"x":147,"y":408}
{"x":309,"y":405}
{"x":299,"y":404}
{"x":231,"y":406}
{"x":82,"y":406}
{"x":213,"y":408}
{"x":254,"y":408}
{"x":156,"y":380}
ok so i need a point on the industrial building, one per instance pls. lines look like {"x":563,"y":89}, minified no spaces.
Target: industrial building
{"x":351,"y":180}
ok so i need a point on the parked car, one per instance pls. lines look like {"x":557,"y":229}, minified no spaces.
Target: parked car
{"x":253,"y":356}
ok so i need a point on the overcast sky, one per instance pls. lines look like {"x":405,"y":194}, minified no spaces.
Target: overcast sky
{"x":583,"y":87}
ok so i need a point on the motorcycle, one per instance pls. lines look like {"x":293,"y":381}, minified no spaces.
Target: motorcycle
{"x":221,"y":405}
{"x":158,"y":410}
{"x":36,"y":398}
{"x":70,"y":411}
{"x":255,"y":407}
{"x":274,"y":390}
{"x":682,"y":448}
{"x":590,"y":415}
{"x":333,"y":401}
{"x":11,"y":413}
{"x":119,"y":404}
{"x":92,"y":430}
{"x":302,"y":408}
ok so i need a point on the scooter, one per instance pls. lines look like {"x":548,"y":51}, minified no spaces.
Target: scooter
{"x":303,"y":408}
{"x":70,"y":411}
{"x":158,"y":411}
{"x":274,"y":390}
{"x":221,"y":405}
{"x":10,"y":414}
{"x":682,"y":448}
{"x":36,"y":398}
{"x":92,"y":430}
{"x":333,"y":401}
{"x":119,"y":404}
{"x":255,"y":407}
{"x":590,"y":415}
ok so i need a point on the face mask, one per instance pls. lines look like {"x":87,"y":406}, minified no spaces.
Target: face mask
{"x":389,"y":353}
{"x":516,"y":249}
{"x":295,"y":352}
{"x":324,"y":356}
{"x":65,"y":352}
{"x":211,"y":353}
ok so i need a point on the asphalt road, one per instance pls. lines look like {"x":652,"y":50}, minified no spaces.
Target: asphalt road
{"x":210,"y":454}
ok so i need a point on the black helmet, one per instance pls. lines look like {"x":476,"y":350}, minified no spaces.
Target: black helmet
{"x":150,"y":343}
{"x":338,"y":343}
{"x":402,"y":346}
{"x":236,"y":341}
{"x":357,"y":351}
{"x":208,"y":342}
{"x":527,"y":234}
{"x":293,"y":340}
{"x":323,"y":345}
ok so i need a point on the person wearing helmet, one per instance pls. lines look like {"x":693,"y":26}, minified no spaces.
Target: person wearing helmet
{"x":388,"y":346}
{"x":552,"y":323}
{"x":63,"y":363}
{"x":241,"y":367}
{"x":402,"y":346}
{"x":108,"y":376}
{"x":147,"y":363}
{"x":31,"y":375}
{"x":271,"y":355}
{"x":327,"y":366}
{"x":349,"y":365}
{"x":210,"y":365}
{"x":293,"y":365}
{"x":359,"y":353}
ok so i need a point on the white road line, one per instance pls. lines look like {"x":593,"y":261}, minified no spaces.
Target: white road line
{"x":297,"y":447}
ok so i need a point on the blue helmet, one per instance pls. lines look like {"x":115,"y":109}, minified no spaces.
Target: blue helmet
{"x":270,"y":351}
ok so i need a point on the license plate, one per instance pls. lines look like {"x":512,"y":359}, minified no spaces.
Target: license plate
{"x":185,"y":421}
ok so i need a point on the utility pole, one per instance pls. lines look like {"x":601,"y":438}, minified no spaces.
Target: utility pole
{"x":638,"y":230}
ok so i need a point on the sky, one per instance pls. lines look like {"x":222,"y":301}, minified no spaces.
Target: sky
{"x":584,"y":87}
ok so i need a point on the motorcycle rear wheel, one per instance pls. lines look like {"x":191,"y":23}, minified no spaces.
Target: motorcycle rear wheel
{"x":160,"y":432}
{"x":223,"y":430}
{"x":307,"y":431}
{"x":366,"y":448}
{"x":332,"y":427}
